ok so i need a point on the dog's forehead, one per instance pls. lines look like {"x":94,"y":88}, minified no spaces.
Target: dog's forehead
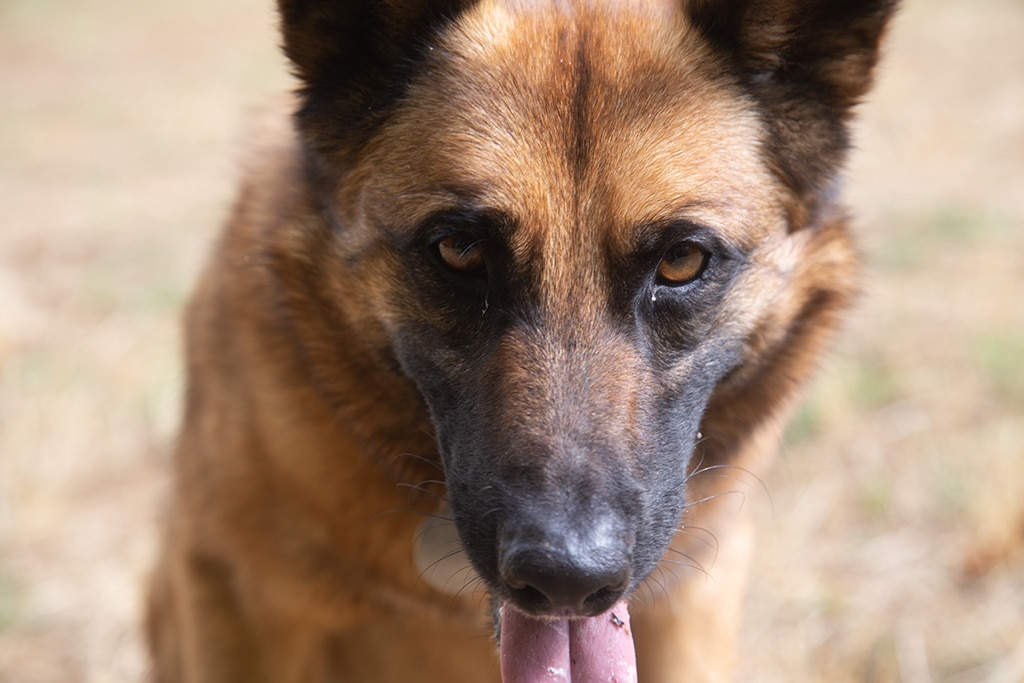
{"x":582,"y":116}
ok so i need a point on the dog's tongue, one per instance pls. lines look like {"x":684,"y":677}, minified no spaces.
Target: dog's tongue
{"x":592,"y":650}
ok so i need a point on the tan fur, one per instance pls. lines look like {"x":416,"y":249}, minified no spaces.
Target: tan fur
{"x":307,"y":460}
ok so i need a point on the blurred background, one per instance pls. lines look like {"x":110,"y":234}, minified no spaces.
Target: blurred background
{"x":891,"y":542}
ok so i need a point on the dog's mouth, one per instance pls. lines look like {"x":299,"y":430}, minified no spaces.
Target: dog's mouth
{"x":551,"y":647}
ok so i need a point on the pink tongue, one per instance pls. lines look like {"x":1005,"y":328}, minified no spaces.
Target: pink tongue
{"x":592,"y":650}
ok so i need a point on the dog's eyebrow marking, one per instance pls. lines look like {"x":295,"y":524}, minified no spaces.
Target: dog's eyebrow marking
{"x":449,"y":198}
{"x":454,"y":205}
{"x":651,"y":232}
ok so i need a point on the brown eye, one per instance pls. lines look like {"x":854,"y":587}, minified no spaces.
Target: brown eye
{"x":683,"y":263}
{"x":462,"y":253}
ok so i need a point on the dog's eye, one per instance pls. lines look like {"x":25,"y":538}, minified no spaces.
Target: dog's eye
{"x":461,"y":252}
{"x":681,"y":264}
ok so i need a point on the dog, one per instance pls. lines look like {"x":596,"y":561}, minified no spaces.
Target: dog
{"x":508,"y":301}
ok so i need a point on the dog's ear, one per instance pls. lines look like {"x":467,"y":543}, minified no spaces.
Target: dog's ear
{"x":806,"y":62}
{"x":353,"y":58}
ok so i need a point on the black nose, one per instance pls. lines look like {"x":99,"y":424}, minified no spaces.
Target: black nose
{"x":550,"y":572}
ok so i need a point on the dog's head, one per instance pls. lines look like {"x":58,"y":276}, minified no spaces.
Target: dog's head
{"x":593,"y":229}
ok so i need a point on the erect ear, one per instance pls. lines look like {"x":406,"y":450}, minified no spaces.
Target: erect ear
{"x":806,"y":62}
{"x":353,"y":58}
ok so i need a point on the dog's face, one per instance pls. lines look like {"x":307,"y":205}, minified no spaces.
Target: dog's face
{"x":580,"y":239}
{"x":581,"y":230}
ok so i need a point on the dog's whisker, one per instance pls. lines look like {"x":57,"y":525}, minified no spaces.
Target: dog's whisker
{"x":433,"y":462}
{"x":699,"y":465}
{"x":490,"y":512}
{"x":448,"y":555}
{"x":743,"y":470}
{"x":688,"y":561}
{"x":426,"y":514}
{"x":706,"y":537}
{"x":656,"y":577}
{"x":466,"y":583}
{"x":637,"y":596}
{"x":422,"y":489}
{"x":425,"y":484}
{"x":715,"y":496}
{"x":421,"y":531}
{"x":471,"y":582}
{"x":645,"y":594}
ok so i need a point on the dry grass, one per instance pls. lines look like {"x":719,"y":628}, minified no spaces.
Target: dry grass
{"x":892,"y":546}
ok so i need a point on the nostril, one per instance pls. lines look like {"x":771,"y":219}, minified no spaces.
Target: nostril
{"x":530,"y":598}
{"x":543,"y":578}
{"x":602,"y":599}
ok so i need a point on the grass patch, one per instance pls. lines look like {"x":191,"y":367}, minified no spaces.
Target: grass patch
{"x":31,"y":372}
{"x":999,"y":357}
{"x":160,"y":298}
{"x":807,"y":423}
{"x":876,"y":498}
{"x":8,"y":602}
{"x":915,"y":244}
{"x":872,"y":384}
{"x":951,"y":492}
{"x":860,"y":385}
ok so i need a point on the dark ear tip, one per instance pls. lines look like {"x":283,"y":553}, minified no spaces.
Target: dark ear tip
{"x":777,"y":24}
{"x":806,"y":63}
{"x":322,"y":36}
{"x":353,"y":58}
